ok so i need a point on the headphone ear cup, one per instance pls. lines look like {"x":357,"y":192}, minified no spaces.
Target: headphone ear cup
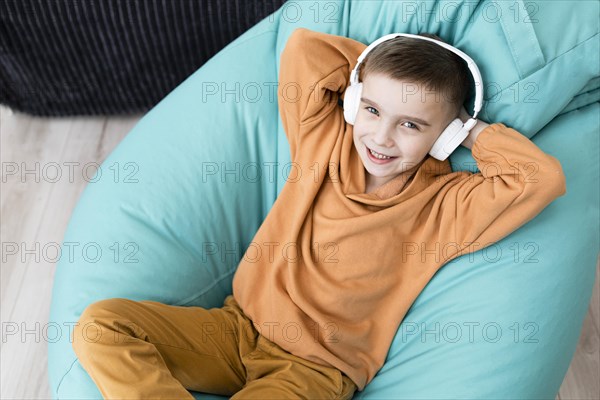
{"x":351,"y":102}
{"x":454,"y":134}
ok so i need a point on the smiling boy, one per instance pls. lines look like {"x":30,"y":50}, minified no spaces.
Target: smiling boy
{"x":350,"y":215}
{"x":319,"y":296}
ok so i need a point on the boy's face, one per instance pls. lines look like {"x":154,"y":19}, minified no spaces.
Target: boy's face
{"x":399,"y":119}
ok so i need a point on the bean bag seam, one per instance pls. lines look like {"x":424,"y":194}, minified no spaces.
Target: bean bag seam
{"x":547,"y":64}
{"x":64,"y":375}
{"x":534,"y":52}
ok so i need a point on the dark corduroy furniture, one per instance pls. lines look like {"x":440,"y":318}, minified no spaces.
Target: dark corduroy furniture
{"x":109,"y":57}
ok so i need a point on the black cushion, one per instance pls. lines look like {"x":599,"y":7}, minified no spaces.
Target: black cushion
{"x":72,"y":57}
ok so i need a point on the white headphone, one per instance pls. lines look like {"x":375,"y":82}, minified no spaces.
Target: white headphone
{"x":455,"y":133}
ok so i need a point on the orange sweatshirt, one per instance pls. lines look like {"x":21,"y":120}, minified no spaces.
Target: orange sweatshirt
{"x":332,"y":271}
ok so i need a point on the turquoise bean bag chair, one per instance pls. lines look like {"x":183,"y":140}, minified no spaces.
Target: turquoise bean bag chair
{"x":200,"y":171}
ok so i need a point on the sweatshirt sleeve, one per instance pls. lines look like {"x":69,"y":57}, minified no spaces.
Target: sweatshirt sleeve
{"x":517,"y":180}
{"x":314,"y":72}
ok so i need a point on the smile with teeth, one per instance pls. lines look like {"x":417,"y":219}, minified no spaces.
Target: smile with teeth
{"x":378,"y":155}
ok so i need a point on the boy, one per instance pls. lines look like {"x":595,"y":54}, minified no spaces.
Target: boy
{"x":315,"y":308}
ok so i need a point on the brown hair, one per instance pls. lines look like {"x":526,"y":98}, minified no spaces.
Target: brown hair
{"x":424,"y":63}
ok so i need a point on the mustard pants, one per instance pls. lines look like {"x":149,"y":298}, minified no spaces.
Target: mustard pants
{"x":147,"y":350}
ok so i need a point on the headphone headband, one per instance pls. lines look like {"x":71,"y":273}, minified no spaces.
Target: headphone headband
{"x":470,"y":63}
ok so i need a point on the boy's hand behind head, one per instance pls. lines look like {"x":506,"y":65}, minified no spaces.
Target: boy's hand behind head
{"x":475,"y":131}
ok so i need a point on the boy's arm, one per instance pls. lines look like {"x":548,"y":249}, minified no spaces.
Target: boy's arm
{"x":517,"y":180}
{"x":314,"y":72}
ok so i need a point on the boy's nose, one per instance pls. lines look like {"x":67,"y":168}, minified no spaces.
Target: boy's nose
{"x":382,"y":137}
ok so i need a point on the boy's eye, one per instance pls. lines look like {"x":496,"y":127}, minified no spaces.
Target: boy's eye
{"x":412,"y":126}
{"x":369,"y":107}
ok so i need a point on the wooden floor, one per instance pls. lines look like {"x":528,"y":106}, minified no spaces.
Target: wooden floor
{"x":36,"y":212}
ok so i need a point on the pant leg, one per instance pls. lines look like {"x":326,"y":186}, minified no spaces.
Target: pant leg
{"x":147,"y":349}
{"x":274,"y":373}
